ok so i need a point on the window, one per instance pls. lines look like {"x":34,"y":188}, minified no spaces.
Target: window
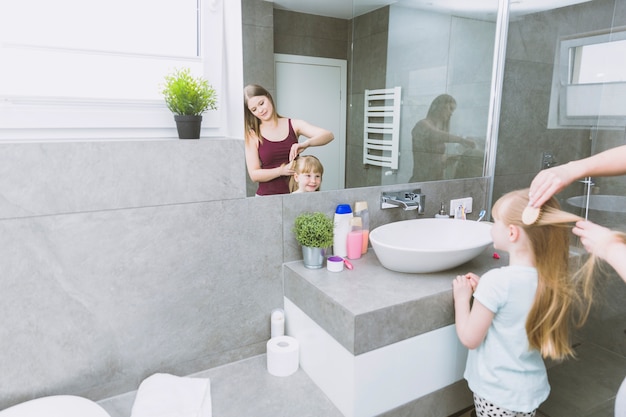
{"x":589,"y":81}
{"x":94,"y":68}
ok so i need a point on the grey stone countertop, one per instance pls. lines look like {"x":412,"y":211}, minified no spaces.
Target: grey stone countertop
{"x":370,"y":306}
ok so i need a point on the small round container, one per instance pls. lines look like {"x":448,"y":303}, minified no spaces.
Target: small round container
{"x":334,"y":263}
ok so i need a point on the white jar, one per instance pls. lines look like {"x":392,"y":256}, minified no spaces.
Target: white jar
{"x":343,"y":214}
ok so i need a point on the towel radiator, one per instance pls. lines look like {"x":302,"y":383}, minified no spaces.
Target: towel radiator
{"x":381,"y":127}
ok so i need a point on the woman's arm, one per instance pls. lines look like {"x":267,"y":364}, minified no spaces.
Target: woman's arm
{"x":553,"y":180}
{"x":253,"y":163}
{"x":471,"y":324}
{"x":316,"y":136}
{"x":434,"y":139}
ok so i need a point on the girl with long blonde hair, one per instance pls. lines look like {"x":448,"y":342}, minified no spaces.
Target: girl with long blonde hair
{"x":521,"y":312}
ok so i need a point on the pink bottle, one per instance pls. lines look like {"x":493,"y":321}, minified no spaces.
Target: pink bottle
{"x":355,"y":238}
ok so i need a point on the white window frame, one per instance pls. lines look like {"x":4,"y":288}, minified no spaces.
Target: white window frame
{"x":92,"y":114}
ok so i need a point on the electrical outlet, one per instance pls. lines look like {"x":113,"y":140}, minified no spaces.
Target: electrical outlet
{"x":466,"y":202}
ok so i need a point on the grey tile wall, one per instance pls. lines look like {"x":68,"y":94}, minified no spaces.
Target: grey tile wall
{"x":122,"y":259}
{"x":310,"y":35}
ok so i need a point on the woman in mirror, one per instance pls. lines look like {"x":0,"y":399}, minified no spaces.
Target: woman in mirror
{"x":430,"y":136}
{"x":272,"y":141}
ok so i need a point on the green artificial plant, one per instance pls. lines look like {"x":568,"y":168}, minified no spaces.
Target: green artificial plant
{"x":314,"y":230}
{"x":188,"y":95}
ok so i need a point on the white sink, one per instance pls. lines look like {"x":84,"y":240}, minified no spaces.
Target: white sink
{"x":429,"y":245}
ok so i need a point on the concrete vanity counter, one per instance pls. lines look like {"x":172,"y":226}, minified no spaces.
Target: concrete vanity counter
{"x":370,"y":306}
{"x":379,"y":342}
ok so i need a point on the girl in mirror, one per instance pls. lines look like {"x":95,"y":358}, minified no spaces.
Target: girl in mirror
{"x":521,"y":313}
{"x":307,"y":175}
{"x":272,"y":141}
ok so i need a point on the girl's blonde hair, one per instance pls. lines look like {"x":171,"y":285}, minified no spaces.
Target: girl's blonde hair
{"x":303,"y":165}
{"x":251,"y":122}
{"x":562,"y":298}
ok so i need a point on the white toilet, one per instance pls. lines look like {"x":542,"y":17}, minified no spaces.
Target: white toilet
{"x":56,"y":406}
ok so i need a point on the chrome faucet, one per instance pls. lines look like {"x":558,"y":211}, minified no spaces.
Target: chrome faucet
{"x":407,"y":200}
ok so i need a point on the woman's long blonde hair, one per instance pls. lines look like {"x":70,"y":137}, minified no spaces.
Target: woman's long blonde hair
{"x":251,"y":122}
{"x":563,"y":298}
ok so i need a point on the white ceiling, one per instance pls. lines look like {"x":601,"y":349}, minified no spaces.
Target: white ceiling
{"x":485,"y":9}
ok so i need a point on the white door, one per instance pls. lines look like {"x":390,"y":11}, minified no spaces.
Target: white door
{"x":314,"y":89}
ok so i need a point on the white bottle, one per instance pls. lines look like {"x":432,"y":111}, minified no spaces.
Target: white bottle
{"x":277,"y":323}
{"x":343,"y":214}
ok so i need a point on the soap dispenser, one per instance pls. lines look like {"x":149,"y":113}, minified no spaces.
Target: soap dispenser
{"x":442,"y":212}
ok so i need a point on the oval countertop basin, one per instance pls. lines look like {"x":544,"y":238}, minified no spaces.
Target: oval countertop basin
{"x":429,"y":245}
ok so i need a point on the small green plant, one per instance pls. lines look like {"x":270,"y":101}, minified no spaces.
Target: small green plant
{"x":314,"y":230}
{"x":188,"y":95}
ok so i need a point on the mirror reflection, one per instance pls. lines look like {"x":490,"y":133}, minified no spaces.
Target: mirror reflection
{"x":439,"y":154}
{"x":427,"y":53}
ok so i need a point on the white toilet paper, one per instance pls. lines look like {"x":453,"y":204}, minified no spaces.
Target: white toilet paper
{"x":283,"y":355}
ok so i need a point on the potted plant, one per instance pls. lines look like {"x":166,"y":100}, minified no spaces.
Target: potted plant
{"x":314,"y":231}
{"x":188,"y":97}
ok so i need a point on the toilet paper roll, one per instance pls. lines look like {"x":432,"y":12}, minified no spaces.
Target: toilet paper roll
{"x":283,"y":355}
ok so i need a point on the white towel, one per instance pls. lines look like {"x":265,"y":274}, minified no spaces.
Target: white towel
{"x":165,"y":395}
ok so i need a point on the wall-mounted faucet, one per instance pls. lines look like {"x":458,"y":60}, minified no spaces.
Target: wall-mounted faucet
{"x":548,"y":160}
{"x":407,"y":200}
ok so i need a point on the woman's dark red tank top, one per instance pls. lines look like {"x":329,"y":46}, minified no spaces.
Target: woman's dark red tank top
{"x":272,"y":155}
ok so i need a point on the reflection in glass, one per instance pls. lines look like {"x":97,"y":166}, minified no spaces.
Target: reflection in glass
{"x":437,"y":153}
{"x":427,"y":54}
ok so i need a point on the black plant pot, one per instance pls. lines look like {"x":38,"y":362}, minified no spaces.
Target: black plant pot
{"x":188,"y":126}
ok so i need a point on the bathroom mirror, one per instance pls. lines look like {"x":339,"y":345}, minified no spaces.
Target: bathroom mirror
{"x":427,"y":50}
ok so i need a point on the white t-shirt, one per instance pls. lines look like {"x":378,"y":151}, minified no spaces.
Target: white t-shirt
{"x":502,"y":369}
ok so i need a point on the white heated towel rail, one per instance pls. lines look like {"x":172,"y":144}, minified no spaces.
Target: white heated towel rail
{"x":381,"y":127}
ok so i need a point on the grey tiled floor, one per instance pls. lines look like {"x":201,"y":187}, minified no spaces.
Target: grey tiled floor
{"x":586,"y":386}
{"x":245,"y":388}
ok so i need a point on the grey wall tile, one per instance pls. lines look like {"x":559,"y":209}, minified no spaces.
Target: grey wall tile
{"x":99,"y":300}
{"x":310,"y":35}
{"x":257,"y":13}
{"x":68,"y":177}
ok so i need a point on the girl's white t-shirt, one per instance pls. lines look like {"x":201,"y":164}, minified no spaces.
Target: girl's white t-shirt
{"x":503,"y":369}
